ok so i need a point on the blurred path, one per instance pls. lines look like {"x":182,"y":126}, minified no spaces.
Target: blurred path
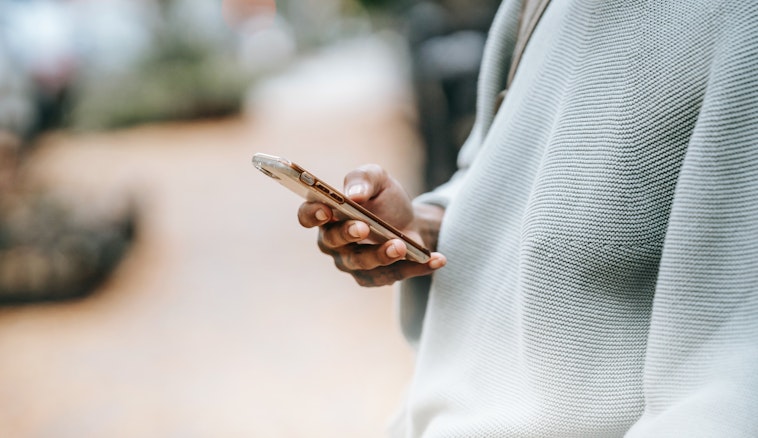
{"x":224,"y":321}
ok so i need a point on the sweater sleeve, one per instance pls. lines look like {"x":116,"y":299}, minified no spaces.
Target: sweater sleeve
{"x":701,"y":367}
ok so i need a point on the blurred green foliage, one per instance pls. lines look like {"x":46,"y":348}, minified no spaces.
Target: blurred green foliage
{"x":177,"y":80}
{"x":186,"y":74}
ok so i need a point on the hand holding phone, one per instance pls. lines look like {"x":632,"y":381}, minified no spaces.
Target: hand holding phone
{"x":344,"y":222}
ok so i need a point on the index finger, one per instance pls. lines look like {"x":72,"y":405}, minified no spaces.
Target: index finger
{"x":314,"y":214}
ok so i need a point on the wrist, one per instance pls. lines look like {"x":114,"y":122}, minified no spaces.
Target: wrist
{"x":427,"y":221}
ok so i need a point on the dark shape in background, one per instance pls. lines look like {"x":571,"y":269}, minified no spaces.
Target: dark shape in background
{"x":446,"y":39}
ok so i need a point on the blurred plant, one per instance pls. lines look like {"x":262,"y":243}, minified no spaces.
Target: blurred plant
{"x":48,"y":251}
{"x":100,"y":64}
{"x":190,"y":70}
{"x":199,"y":66}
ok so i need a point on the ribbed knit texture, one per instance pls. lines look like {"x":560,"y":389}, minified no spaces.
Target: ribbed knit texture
{"x":601,"y":235}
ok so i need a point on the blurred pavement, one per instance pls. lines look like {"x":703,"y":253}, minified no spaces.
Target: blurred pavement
{"x":224,"y":320}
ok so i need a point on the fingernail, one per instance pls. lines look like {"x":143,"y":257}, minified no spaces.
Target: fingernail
{"x":358,"y":189}
{"x":354,"y":231}
{"x":393,"y":251}
{"x":437,"y":263}
{"x":321,"y":215}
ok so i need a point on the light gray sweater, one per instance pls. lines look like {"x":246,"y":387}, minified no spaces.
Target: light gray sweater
{"x":601,"y":235}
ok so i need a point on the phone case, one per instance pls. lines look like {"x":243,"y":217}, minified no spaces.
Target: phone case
{"x":313,"y":189}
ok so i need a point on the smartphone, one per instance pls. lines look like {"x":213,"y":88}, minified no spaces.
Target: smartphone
{"x":314,"y":189}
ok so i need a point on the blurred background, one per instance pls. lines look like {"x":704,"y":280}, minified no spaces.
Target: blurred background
{"x":152,"y":283}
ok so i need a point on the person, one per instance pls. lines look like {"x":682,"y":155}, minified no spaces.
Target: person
{"x":600,"y":238}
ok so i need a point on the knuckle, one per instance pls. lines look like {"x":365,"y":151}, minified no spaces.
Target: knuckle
{"x":324,"y":242}
{"x":329,"y":237}
{"x":303,"y":220}
{"x":391,"y":275}
{"x":365,"y":258}
{"x":305,"y":215}
{"x":340,"y":267}
{"x":360,"y":263}
{"x":397,"y":275}
{"x":361,"y":280}
{"x":382,"y":281}
{"x":323,"y":247}
{"x":365,"y":278}
{"x":354,"y":261}
{"x":339,"y":263}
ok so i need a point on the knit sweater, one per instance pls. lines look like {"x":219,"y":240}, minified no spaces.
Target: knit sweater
{"x":601,"y":233}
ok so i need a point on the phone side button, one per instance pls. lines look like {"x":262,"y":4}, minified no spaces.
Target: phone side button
{"x":337,"y":198}
{"x":307,"y":178}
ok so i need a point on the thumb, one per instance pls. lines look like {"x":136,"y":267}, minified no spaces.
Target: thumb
{"x":411,"y":269}
{"x":365,"y":182}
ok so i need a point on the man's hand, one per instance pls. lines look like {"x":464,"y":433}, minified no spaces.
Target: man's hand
{"x":369,"y":262}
